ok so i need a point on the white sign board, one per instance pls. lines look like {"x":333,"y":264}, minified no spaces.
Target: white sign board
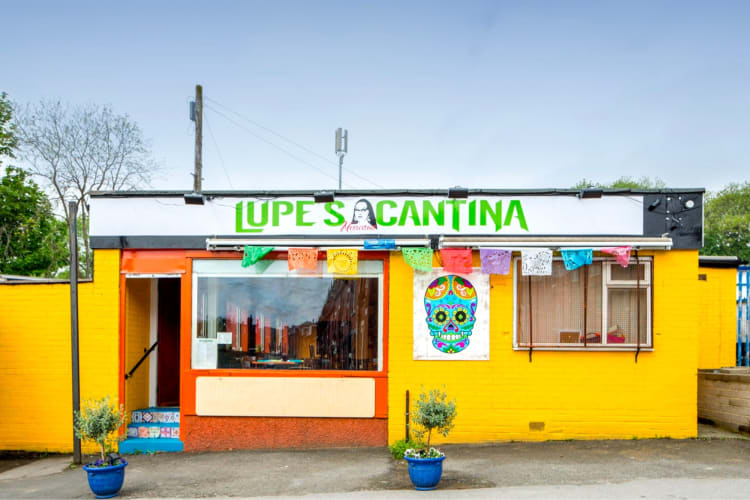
{"x":373,"y":215}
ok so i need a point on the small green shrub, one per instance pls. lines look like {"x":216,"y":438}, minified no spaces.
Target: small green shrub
{"x":433,"y":412}
{"x":97,"y":420}
{"x":424,"y":453}
{"x":398,"y":448}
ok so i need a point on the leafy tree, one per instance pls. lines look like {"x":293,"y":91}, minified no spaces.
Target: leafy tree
{"x":8,"y":139}
{"x":79,"y":150}
{"x":727,"y":222}
{"x":32,"y":240}
{"x":624,"y":182}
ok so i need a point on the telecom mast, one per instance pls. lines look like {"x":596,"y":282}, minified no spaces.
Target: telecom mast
{"x":342,"y":146}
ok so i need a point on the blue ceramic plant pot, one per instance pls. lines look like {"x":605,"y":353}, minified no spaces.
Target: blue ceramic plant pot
{"x":105,"y":482}
{"x":425,"y":472}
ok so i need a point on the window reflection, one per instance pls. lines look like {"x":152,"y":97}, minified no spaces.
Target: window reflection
{"x":290,"y":323}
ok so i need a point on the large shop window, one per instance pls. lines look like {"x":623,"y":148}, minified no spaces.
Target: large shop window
{"x":596,"y":306}
{"x":270,"y":318}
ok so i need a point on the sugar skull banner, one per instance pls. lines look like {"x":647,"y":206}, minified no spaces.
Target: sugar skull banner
{"x":495,"y":260}
{"x":536,"y":262}
{"x":451,"y":316}
{"x":456,"y":260}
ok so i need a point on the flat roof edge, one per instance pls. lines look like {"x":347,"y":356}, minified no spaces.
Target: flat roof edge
{"x":392,"y":192}
{"x":720,"y":261}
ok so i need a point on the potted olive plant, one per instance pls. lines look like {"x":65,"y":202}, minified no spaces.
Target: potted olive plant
{"x":433,"y":413}
{"x":95,"y":422}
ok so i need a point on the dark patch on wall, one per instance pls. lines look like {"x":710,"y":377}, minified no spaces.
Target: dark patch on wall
{"x":536,"y":426}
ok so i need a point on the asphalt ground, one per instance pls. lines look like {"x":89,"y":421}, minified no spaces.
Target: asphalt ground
{"x":653,"y":468}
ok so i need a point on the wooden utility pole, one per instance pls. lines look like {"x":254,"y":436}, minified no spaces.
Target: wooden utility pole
{"x":72,"y":209}
{"x":198,"y":139}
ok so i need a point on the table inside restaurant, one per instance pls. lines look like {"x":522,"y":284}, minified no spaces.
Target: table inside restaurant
{"x":276,"y":363}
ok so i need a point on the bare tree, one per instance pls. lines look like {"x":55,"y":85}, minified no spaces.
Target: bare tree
{"x":76,"y":150}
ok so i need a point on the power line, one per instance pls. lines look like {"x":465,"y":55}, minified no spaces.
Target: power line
{"x":291,"y":155}
{"x":310,"y":151}
{"x":218,"y":151}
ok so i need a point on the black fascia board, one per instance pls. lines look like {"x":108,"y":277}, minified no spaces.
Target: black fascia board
{"x":718,"y":261}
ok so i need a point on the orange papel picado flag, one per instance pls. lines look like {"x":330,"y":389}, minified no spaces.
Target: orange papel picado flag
{"x":303,"y":258}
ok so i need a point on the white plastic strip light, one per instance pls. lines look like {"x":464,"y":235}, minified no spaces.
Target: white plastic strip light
{"x":217,"y":244}
{"x":553,"y":242}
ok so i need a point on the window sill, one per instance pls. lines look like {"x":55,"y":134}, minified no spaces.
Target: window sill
{"x":587,"y":349}
{"x":265,"y":372}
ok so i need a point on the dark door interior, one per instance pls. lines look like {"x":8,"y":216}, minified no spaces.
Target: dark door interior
{"x":168,"y":353}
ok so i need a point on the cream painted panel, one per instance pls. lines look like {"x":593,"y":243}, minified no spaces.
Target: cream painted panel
{"x":285,"y":397}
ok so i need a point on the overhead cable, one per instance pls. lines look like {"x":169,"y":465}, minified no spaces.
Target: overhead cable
{"x":291,"y":155}
{"x":218,"y":151}
{"x":290,"y":141}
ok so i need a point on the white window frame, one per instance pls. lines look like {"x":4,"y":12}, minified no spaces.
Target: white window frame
{"x":607,"y":284}
{"x":610,"y":283}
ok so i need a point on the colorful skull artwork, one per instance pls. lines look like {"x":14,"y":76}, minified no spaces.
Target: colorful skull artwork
{"x":451,"y":304}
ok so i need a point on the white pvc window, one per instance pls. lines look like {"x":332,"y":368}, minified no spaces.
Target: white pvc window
{"x":602,"y":305}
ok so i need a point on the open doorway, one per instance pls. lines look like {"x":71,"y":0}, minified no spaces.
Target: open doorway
{"x":168,"y":335}
{"x":151,"y":316}
{"x":152,"y":341}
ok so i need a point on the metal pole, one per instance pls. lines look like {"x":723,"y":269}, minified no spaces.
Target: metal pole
{"x":72,"y":213}
{"x":408,"y":437}
{"x":198,"y":139}
{"x":341,"y":166}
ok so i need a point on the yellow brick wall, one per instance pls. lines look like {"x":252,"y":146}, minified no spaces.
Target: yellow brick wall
{"x":717,"y":333}
{"x":579,"y":395}
{"x":35,"y":356}
{"x":137,"y":310}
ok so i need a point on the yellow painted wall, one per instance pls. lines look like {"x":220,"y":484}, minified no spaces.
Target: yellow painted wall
{"x":137,"y":324}
{"x":586,"y":395}
{"x":35,"y":356}
{"x":717,"y":333}
{"x":581,"y":395}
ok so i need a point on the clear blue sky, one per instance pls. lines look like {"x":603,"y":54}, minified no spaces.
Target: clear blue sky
{"x":434,"y":94}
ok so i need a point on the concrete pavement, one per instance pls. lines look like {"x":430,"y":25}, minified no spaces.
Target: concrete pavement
{"x":649,"y":488}
{"x":38,"y":468}
{"x":658,"y":468}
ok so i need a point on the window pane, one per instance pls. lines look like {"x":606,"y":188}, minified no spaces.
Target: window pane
{"x":622,"y":311}
{"x":557,"y":305}
{"x":619,"y":273}
{"x":289,"y":322}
